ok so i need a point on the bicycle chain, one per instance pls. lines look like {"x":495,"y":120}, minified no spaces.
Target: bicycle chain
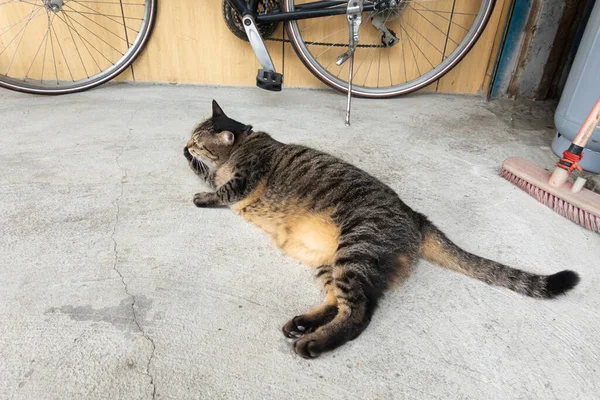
{"x":375,"y":46}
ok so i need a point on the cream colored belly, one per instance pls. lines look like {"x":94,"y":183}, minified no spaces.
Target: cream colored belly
{"x":308,"y":237}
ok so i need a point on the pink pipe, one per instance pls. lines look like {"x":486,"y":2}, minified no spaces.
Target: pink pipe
{"x":591,"y":122}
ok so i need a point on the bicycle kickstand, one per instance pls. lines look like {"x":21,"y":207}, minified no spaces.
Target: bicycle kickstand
{"x":354,"y":16}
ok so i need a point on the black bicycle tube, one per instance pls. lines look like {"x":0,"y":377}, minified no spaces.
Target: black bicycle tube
{"x":320,"y":4}
{"x":305,"y":14}
{"x":253,"y":5}
{"x":242,"y":7}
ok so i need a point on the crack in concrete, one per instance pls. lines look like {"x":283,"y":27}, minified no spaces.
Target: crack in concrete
{"x":116,"y":263}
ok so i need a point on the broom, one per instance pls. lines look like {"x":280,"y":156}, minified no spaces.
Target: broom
{"x":570,"y":200}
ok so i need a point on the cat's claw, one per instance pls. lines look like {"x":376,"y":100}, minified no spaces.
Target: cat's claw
{"x":292,"y":330}
{"x":307,"y":323}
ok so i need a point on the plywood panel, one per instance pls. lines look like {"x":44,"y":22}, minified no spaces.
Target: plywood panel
{"x":469,"y":75}
{"x":81,"y":40}
{"x":496,"y":46}
{"x":419,"y":49}
{"x":192,"y":44}
{"x":422,"y":30}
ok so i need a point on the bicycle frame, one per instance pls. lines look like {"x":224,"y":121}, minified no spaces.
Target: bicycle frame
{"x":314,"y":9}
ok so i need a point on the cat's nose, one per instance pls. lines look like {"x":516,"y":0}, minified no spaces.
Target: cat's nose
{"x":190,"y":143}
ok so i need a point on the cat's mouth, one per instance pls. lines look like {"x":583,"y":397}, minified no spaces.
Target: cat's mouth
{"x":193,"y":152}
{"x":197,"y":159}
{"x":203,"y":154}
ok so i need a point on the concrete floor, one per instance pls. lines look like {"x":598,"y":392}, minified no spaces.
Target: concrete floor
{"x":113,"y":285}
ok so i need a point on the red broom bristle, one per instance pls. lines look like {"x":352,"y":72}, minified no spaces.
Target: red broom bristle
{"x":564,"y":208}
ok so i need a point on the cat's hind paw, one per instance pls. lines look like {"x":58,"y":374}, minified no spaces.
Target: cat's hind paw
{"x":309,"y":322}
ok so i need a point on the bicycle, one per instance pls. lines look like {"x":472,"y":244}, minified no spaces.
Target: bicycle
{"x":401,"y":46}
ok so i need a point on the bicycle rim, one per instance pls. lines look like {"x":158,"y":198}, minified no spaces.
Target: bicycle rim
{"x":67,"y":46}
{"x":432,"y":37}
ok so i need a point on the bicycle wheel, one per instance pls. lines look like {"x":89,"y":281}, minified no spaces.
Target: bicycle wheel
{"x":424,"y":40}
{"x":67,"y":46}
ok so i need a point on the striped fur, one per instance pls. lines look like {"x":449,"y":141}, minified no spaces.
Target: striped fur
{"x":353,"y":229}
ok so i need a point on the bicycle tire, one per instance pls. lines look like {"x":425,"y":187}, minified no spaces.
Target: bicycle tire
{"x":300,"y":47}
{"x":102,"y":77}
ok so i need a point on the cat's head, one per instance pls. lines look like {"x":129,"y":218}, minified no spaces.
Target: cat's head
{"x":215,"y":137}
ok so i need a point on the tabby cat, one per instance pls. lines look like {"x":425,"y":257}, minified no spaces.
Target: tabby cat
{"x":350,"y":227}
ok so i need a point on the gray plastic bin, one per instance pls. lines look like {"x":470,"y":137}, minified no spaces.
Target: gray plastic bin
{"x":581,"y":92}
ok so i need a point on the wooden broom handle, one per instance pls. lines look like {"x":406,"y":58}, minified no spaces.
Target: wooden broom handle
{"x":591,"y":122}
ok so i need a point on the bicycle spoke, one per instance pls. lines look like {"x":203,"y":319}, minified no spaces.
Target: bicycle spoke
{"x":328,"y":36}
{"x":95,"y":12}
{"x":390,"y":66}
{"x":96,"y":23}
{"x":15,"y":24}
{"x":412,"y":51}
{"x":76,"y":47}
{"x":403,"y":57}
{"x":448,"y":31}
{"x":69,"y":19}
{"x":317,"y":22}
{"x":427,"y":47}
{"x":110,"y":2}
{"x":378,"y":69}
{"x":440,"y":15}
{"x":44,"y":38}
{"x":368,"y":70}
{"x":439,"y":11}
{"x":53,"y":52}
{"x":416,"y":45}
{"x":105,"y":15}
{"x":93,"y":47}
{"x":21,"y":1}
{"x":62,"y":52}
{"x":125,"y":24}
{"x":30,"y":17}
{"x":434,"y":25}
{"x":19,"y":43}
{"x":339,"y":71}
{"x":45,"y":48}
{"x":362,"y":62}
{"x":32,"y":3}
{"x":102,"y":40}
{"x":424,"y":37}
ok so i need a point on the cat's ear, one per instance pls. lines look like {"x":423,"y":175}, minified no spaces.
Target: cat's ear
{"x":217,"y":111}
{"x":226,"y":138}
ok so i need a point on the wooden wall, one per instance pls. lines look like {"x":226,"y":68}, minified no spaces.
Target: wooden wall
{"x":192,"y":44}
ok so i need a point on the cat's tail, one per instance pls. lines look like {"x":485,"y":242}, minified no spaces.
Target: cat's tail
{"x":439,"y":249}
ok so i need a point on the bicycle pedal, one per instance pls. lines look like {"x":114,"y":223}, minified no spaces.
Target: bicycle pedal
{"x":269,"y":80}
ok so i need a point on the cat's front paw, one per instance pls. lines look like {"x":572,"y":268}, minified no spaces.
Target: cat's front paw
{"x":206,"y":199}
{"x":188,"y":156}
